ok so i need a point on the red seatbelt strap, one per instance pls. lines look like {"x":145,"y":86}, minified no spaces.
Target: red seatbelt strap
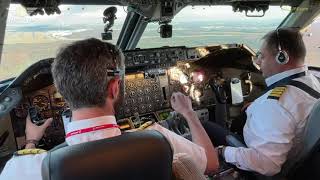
{"x":90,"y":129}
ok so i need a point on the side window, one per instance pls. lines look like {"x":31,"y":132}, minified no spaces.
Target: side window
{"x":312,"y":41}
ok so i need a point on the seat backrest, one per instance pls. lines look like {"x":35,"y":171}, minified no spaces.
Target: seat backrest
{"x":311,"y":141}
{"x":312,"y":133}
{"x":138,"y":155}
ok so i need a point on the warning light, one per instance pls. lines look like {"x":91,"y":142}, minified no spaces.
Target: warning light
{"x":197,"y":77}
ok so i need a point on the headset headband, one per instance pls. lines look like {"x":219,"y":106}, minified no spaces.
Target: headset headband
{"x":278,"y":38}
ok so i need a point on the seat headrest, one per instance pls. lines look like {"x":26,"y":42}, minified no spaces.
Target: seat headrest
{"x":138,"y":155}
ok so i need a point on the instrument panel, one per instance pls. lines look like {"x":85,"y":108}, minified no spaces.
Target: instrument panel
{"x":49,"y":103}
{"x":152,"y":75}
{"x":159,"y":57}
{"x":143,"y":96}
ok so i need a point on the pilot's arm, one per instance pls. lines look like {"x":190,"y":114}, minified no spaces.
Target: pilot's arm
{"x":268,"y":133}
{"x":201,"y":150}
{"x":182,"y":104}
{"x":26,"y":164}
{"x":34,"y":132}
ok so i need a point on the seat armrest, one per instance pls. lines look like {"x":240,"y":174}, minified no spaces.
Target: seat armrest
{"x":234,"y":142}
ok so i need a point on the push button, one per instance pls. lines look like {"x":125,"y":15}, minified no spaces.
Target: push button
{"x":2,"y":107}
{"x":7,"y":99}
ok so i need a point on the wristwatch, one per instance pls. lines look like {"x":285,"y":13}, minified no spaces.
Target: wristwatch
{"x":32,"y":141}
{"x":221,"y":150}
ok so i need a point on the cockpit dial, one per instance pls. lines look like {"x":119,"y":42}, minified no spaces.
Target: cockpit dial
{"x":41,"y":102}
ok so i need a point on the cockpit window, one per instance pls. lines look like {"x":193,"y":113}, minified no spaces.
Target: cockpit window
{"x":31,"y":38}
{"x":212,"y":25}
{"x":311,"y":37}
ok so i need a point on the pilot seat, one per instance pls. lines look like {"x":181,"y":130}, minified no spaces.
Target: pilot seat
{"x":137,"y":156}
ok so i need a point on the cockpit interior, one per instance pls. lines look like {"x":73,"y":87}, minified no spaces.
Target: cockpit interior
{"x":219,"y":79}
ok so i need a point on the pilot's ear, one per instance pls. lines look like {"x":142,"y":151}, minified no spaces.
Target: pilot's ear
{"x":113,"y":88}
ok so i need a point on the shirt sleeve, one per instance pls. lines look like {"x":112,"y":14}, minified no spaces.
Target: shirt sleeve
{"x":268,"y":133}
{"x":23,"y":167}
{"x":181,"y":145}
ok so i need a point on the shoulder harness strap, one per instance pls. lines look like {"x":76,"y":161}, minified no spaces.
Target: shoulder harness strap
{"x":277,"y":92}
{"x":305,"y":88}
{"x":28,"y":152}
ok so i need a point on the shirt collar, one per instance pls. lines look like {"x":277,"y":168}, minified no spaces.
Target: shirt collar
{"x":279,"y":76}
{"x":87,"y":123}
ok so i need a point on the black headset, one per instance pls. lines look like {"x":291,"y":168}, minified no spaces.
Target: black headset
{"x":282,"y":56}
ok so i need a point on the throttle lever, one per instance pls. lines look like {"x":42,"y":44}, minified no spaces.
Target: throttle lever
{"x":221,"y":114}
{"x":218,"y":91}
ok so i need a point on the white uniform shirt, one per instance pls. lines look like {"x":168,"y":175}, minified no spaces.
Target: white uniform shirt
{"x":274,"y":128}
{"x":29,"y":166}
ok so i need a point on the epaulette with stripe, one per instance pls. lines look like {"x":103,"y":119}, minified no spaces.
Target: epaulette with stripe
{"x":29,"y":151}
{"x":277,"y":92}
{"x":142,"y":127}
{"x":145,"y":125}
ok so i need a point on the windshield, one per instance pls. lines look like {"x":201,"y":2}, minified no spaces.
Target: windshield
{"x":30,"y":39}
{"x":312,"y":41}
{"x":213,"y":25}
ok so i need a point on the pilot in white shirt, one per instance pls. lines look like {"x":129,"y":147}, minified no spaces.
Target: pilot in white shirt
{"x":90,"y":82}
{"x":275,"y":121}
{"x":274,"y":127}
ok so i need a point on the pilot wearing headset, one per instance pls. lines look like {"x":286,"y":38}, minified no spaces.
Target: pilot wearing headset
{"x":275,"y":121}
{"x":89,"y":75}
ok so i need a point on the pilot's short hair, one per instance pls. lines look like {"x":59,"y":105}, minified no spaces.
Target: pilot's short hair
{"x":80,"y":72}
{"x":290,"y":40}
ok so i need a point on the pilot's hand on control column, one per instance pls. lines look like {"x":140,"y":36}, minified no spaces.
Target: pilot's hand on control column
{"x":181,"y":103}
{"x":34,"y":132}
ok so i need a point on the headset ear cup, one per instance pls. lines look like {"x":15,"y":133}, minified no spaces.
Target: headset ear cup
{"x":282,"y":57}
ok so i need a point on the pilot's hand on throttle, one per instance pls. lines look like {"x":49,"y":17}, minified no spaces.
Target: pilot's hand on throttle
{"x":34,"y":132}
{"x":181,"y":103}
